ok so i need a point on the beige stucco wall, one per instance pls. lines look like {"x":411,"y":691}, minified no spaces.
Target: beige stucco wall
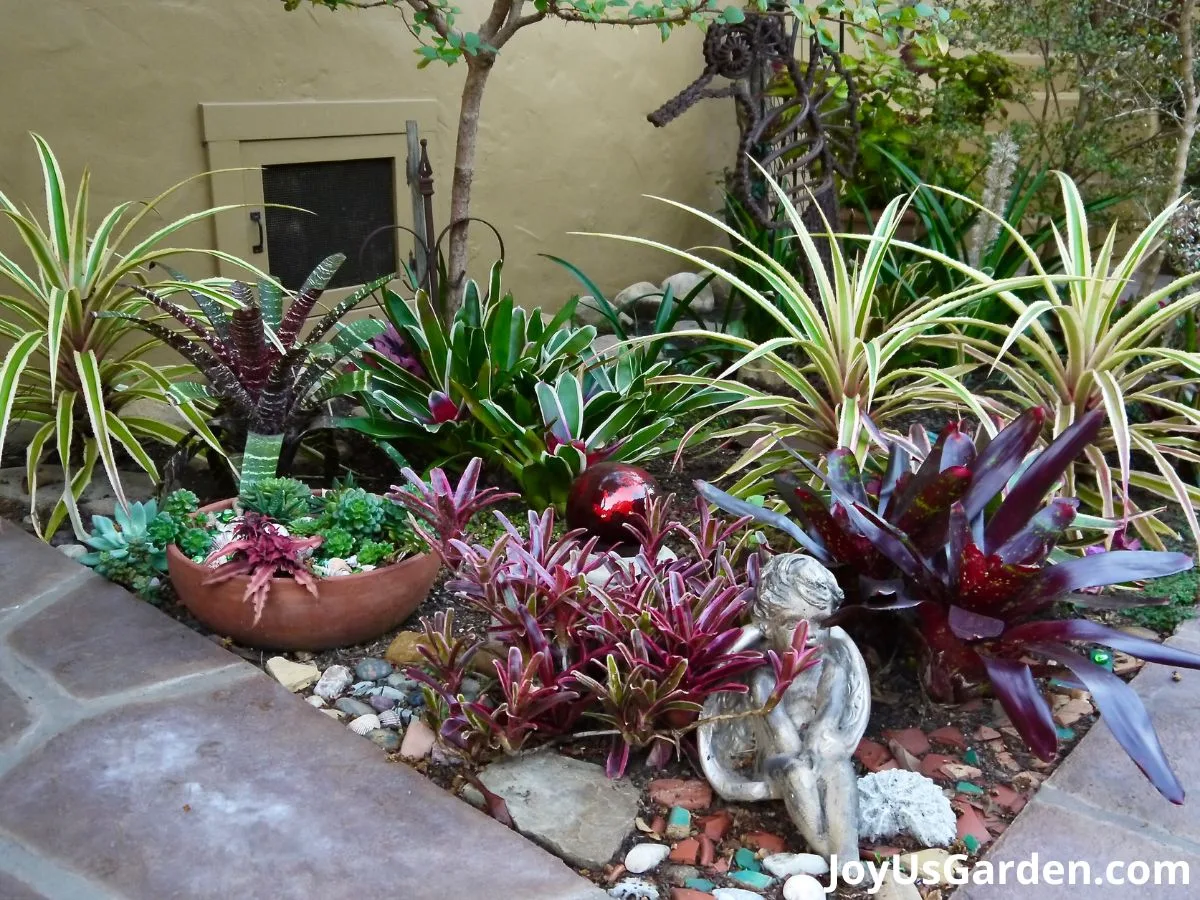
{"x":564,"y":145}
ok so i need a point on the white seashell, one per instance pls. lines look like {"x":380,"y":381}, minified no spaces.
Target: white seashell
{"x":367,"y":568}
{"x":646,"y":857}
{"x":363,"y":724}
{"x":783,"y":865}
{"x":364,"y":689}
{"x":389,"y":718}
{"x":337,"y":566}
{"x":634,"y":889}
{"x":803,"y":887}
{"x":314,"y":700}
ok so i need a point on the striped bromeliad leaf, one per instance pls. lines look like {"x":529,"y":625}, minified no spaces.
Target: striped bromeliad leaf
{"x":69,"y":368}
{"x":835,"y":363}
{"x":1096,"y":339}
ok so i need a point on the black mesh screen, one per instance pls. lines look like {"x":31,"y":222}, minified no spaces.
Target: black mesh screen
{"x":350,"y":198}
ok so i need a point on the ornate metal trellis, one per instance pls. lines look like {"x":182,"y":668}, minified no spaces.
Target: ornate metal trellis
{"x":799,"y":122}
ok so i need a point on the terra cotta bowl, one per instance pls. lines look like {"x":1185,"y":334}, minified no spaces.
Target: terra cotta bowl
{"x":349,"y":609}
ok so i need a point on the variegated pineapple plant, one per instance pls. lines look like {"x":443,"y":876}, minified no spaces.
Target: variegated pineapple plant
{"x":71,"y":374}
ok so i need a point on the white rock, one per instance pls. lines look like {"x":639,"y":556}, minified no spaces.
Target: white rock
{"x":684,"y":283}
{"x":637,"y":294}
{"x":363,"y":724}
{"x":334,"y":682}
{"x":72,"y":551}
{"x":314,"y":701}
{"x":783,"y":865}
{"x":337,"y":566}
{"x":803,"y":887}
{"x":634,"y":889}
{"x":293,"y":676}
{"x":646,"y":857}
{"x":735,"y":894}
{"x":891,"y":889}
{"x":898,"y":802}
{"x":588,"y":313}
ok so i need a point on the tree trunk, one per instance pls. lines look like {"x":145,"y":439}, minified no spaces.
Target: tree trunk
{"x":1187,"y":123}
{"x":479,"y":67}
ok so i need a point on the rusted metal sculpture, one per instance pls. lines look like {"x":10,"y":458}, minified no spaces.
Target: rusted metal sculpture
{"x":798,"y":123}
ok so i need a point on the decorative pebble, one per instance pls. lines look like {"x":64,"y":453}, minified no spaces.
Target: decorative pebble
{"x":933,"y":866}
{"x":634,"y":889}
{"x":364,"y":724}
{"x":735,"y":894}
{"x":646,"y":857}
{"x":381,"y":704}
{"x":333,"y":683}
{"x":679,"y":823}
{"x":373,"y":669}
{"x":353,"y":707}
{"x":385,"y":738}
{"x":293,"y":676}
{"x":315,"y":701}
{"x":390,"y":693}
{"x":402,"y":682}
{"x":784,"y":865}
{"x":418,"y":741}
{"x":803,"y":887}
{"x":753,"y":879}
{"x":470,"y":688}
{"x":678,"y":874}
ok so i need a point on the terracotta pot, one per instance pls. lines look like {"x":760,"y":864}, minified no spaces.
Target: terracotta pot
{"x":350,"y":609}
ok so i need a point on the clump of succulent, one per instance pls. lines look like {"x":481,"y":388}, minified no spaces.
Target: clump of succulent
{"x":124,"y":549}
{"x":635,"y":645}
{"x":372,"y":553}
{"x":338,"y":542}
{"x":283,"y":499}
{"x":357,"y":511}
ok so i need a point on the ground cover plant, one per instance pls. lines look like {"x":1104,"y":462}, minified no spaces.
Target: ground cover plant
{"x":966,"y":543}
{"x":631,"y":646}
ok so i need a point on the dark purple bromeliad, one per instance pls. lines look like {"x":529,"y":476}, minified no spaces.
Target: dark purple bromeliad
{"x":963,"y":542}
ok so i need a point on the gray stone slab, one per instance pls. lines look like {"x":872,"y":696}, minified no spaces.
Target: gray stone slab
{"x":28,"y":568}
{"x":565,"y":804}
{"x":1048,"y":833}
{"x":12,"y":889}
{"x":248,"y":792}
{"x":1098,"y":771}
{"x":99,"y":639}
{"x":14,"y":716}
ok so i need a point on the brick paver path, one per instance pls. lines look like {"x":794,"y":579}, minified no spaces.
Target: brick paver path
{"x":1098,"y":808}
{"x":140,"y":760}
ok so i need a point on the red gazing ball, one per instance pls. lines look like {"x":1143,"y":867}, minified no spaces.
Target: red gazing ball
{"x":606,"y":496}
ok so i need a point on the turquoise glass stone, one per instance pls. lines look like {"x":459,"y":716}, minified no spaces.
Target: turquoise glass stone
{"x":752,"y":879}
{"x":745,"y":859}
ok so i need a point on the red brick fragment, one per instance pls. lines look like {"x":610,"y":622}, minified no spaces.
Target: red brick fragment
{"x":872,"y":755}
{"x":911,"y":739}
{"x":762,"y":840}
{"x":681,"y":893}
{"x":949,"y":736}
{"x":970,"y":822}
{"x":931,"y":766}
{"x":691,"y":794}
{"x":716,"y":824}
{"x":708,"y":852}
{"x":685,"y":852}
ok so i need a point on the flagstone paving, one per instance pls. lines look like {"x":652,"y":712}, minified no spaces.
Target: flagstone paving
{"x":140,"y":760}
{"x":1099,"y":809}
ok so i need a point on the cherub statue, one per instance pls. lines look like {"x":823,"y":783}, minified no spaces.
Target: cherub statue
{"x":801,"y":751}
